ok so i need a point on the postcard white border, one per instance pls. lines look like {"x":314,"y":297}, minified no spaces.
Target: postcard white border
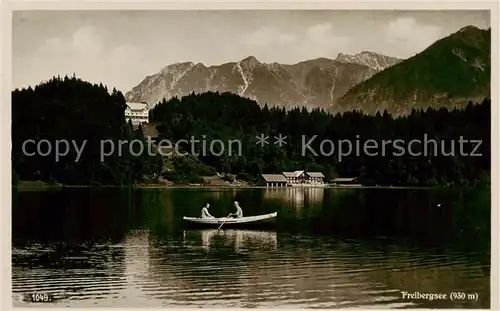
{"x":6,"y":77}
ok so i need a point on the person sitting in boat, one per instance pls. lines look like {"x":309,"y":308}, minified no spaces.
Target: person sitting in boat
{"x":205,"y":213}
{"x":239,"y":211}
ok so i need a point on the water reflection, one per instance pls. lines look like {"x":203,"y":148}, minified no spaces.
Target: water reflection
{"x":241,"y":240}
{"x":136,"y":249}
{"x":294,"y":196}
{"x":331,"y":248}
{"x":241,"y":268}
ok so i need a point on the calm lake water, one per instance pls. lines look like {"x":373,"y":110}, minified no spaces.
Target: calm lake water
{"x":330,"y":248}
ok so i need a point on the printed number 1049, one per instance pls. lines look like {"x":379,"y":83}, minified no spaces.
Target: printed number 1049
{"x":38,"y":297}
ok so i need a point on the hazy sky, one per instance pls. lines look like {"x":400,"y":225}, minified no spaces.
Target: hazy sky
{"x":119,"y":48}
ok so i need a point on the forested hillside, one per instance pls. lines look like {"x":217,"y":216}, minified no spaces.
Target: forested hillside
{"x":76,"y":111}
{"x":227,"y":117}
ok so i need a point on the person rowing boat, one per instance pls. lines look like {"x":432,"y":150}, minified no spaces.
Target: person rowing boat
{"x":205,"y":213}
{"x":239,"y":211}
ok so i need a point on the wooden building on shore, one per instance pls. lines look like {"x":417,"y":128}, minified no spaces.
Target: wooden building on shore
{"x":274,"y":180}
{"x":294,"y":179}
{"x":315,"y":178}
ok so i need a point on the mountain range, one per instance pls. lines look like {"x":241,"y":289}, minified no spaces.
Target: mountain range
{"x":448,"y":73}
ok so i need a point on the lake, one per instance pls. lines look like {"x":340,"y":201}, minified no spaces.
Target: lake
{"x":330,"y":248}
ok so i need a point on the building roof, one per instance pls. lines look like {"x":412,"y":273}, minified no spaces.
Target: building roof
{"x":344,"y":179}
{"x":274,"y":177}
{"x":137,"y":106}
{"x":293,"y":174}
{"x":315,"y":174}
{"x":298,"y":173}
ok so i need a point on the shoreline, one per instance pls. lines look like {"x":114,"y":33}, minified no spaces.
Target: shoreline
{"x":37,"y":185}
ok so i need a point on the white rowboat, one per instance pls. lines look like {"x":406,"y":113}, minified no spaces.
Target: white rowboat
{"x":231,"y":221}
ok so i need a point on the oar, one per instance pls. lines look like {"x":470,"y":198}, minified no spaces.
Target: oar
{"x":224,"y":221}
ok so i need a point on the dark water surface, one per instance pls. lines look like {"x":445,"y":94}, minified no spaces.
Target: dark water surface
{"x":330,"y":248}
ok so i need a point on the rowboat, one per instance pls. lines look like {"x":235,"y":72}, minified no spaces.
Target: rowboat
{"x":250,"y":220}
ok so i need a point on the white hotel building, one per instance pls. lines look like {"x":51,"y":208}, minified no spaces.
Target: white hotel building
{"x":137,"y":112}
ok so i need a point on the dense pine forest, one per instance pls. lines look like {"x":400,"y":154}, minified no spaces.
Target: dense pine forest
{"x":75,"y":110}
{"x":72,"y":109}
{"x":228,"y":117}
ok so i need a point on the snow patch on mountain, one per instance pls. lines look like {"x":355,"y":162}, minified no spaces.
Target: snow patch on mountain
{"x":334,"y":82}
{"x":244,"y":87}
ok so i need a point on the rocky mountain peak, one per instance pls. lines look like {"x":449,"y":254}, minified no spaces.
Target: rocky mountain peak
{"x":249,"y":62}
{"x":177,"y":67}
{"x":370,"y":59}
